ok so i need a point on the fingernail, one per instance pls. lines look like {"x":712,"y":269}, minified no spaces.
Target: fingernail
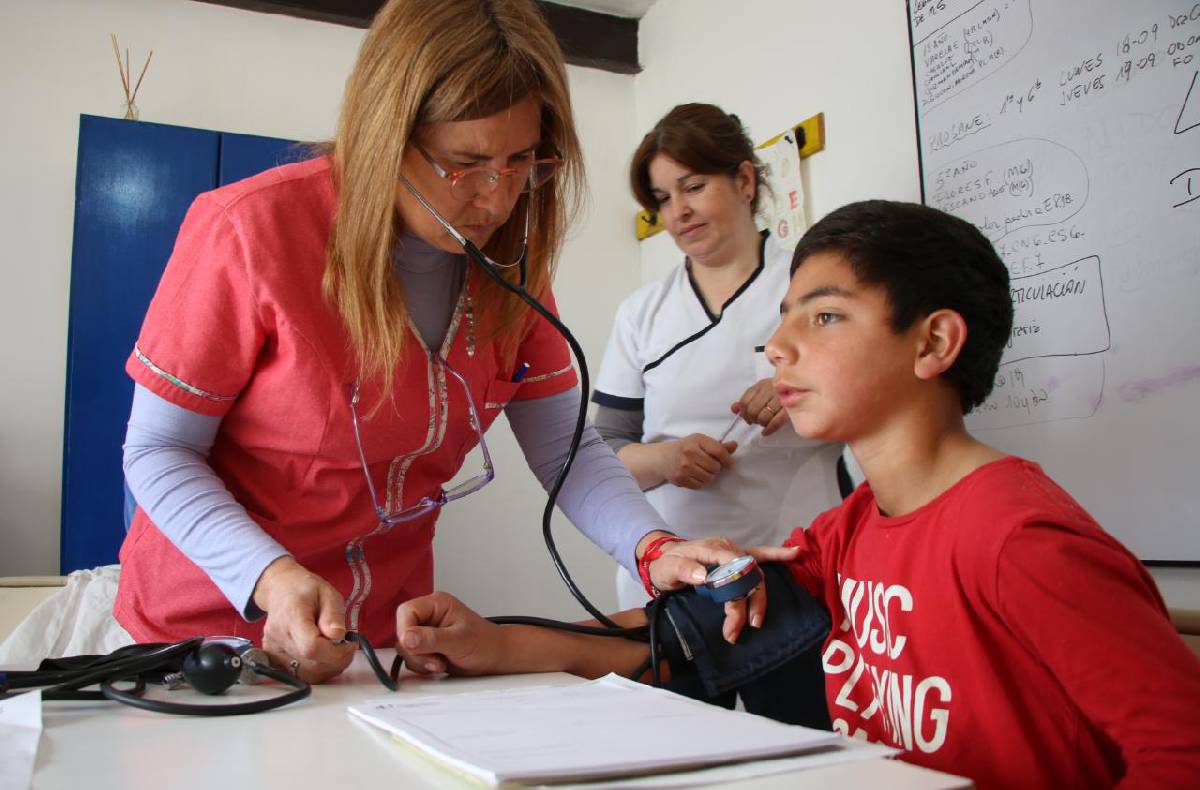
{"x":698,"y":576}
{"x":410,"y":639}
{"x":432,"y":667}
{"x":756,"y":621}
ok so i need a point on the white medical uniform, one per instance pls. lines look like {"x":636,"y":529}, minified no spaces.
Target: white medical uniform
{"x":684,"y":367}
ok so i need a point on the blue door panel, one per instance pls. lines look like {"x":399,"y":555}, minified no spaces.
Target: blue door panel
{"x":134,"y":183}
{"x":244,"y":155}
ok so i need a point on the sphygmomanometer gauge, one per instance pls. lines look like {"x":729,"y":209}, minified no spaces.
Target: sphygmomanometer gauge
{"x":733,"y":580}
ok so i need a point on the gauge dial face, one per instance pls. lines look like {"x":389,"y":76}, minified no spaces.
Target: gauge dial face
{"x":730,"y":571}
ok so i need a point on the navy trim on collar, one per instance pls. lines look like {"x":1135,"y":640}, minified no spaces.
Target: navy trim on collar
{"x":715,"y":319}
{"x":617,"y":402}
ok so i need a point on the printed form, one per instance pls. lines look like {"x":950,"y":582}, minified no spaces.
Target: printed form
{"x":20,"y":729}
{"x":603,"y":728}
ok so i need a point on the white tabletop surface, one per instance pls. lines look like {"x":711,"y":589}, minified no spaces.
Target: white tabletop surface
{"x":315,"y":744}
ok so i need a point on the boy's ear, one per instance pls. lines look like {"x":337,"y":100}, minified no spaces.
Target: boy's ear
{"x":941,"y":340}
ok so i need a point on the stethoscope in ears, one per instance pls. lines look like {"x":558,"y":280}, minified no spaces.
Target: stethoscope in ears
{"x":211,"y":666}
{"x":731,"y":581}
{"x":492,"y":270}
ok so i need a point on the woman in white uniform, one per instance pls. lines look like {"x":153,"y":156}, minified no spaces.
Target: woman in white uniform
{"x":684,"y":394}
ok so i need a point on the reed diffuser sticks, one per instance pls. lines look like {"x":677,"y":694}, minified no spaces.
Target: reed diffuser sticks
{"x":131,"y":110}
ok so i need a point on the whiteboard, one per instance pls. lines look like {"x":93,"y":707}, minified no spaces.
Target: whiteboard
{"x":1068,"y":131}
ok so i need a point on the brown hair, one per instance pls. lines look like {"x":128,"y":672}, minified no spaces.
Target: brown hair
{"x":701,"y":137}
{"x":429,"y":62}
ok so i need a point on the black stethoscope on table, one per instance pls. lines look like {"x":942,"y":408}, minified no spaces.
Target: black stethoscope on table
{"x":211,"y":666}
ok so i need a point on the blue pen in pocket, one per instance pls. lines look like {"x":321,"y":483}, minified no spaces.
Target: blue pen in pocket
{"x":522,"y":369}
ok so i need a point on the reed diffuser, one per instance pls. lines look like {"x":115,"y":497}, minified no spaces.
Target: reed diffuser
{"x":129,"y":108}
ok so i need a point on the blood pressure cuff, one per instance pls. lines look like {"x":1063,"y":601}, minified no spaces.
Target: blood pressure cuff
{"x":689,"y":630}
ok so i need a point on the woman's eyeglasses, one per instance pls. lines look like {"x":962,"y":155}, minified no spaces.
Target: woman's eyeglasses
{"x":471,"y":182}
{"x":444,"y":496}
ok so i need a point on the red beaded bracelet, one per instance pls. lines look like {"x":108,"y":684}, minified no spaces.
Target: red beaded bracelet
{"x":653,"y":552}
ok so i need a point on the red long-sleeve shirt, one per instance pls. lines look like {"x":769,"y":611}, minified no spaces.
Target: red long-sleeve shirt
{"x":999,"y":633}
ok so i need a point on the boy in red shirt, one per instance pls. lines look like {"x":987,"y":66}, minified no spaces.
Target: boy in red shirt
{"x":982,"y":620}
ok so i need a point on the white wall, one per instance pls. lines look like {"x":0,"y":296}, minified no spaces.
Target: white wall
{"x":218,"y":68}
{"x":775,"y":63}
{"x":213,"y":68}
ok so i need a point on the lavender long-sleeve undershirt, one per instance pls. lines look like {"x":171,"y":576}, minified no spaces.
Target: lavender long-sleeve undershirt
{"x":167,"y":446}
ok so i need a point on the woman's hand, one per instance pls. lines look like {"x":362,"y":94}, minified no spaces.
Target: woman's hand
{"x":439,"y":633}
{"x":687,"y":562}
{"x":693,"y":461}
{"x":759,"y":405}
{"x":305,"y":615}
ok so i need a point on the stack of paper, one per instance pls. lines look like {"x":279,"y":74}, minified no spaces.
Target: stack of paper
{"x":604,"y":728}
{"x":20,"y":729}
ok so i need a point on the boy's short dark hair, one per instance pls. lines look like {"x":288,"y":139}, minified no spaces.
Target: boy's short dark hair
{"x":926,"y":260}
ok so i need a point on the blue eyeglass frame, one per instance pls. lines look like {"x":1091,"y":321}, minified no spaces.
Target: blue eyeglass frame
{"x":426,"y":504}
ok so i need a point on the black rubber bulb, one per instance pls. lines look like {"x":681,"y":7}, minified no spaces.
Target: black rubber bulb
{"x":212,"y":668}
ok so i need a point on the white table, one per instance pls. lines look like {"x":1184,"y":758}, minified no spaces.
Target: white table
{"x":315,"y":744}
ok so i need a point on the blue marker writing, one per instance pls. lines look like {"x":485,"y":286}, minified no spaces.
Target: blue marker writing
{"x":522,"y":369}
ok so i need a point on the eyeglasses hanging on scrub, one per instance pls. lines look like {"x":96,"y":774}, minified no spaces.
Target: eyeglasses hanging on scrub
{"x":540,"y":171}
{"x":391,"y":517}
{"x":465,"y":184}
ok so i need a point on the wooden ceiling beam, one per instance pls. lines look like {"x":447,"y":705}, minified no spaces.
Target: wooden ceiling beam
{"x":587,"y":38}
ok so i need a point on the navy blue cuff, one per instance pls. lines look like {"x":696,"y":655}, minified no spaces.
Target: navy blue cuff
{"x":617,"y":402}
{"x":690,"y":630}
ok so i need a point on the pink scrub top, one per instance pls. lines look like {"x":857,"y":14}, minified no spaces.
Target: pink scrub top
{"x":239,"y":328}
